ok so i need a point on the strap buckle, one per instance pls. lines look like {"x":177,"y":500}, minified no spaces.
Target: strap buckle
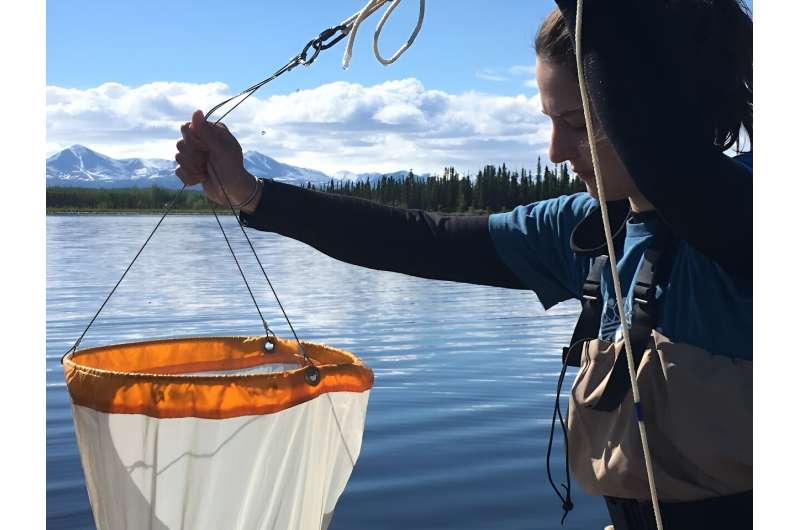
{"x":591,"y":290}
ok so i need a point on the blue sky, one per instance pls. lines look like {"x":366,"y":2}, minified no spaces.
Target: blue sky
{"x":122,"y":76}
{"x":90,"y":42}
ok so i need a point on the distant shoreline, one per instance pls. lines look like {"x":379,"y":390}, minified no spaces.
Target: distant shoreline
{"x":51,"y":211}
{"x":200,"y":212}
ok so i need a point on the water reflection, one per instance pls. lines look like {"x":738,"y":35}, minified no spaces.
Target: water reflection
{"x":464,"y":375}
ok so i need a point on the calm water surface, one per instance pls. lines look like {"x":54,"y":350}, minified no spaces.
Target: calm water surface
{"x":458,"y":419}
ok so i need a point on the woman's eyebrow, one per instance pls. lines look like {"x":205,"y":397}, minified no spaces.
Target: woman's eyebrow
{"x":565,"y":113}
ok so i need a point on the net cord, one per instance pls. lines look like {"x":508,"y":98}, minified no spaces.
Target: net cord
{"x":328,"y":38}
{"x":215,"y":176}
{"x":612,"y":259}
{"x":128,"y":268}
{"x":317,"y":45}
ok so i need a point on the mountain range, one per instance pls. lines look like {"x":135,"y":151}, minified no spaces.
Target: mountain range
{"x":79,"y":166}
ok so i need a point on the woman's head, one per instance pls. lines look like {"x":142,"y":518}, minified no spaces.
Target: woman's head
{"x":557,"y":77}
{"x":720,"y":43}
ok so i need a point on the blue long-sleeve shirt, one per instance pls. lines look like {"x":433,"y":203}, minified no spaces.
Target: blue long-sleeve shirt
{"x":699,"y":302}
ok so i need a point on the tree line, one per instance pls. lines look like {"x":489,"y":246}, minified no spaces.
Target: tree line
{"x":493,"y":189}
{"x":123,"y":199}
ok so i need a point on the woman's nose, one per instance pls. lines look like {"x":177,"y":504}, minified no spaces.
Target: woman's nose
{"x":563,"y":145}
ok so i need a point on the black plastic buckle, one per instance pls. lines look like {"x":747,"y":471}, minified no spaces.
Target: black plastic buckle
{"x":644,"y":292}
{"x":591,"y":290}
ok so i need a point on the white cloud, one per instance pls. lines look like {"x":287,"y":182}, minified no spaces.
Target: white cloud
{"x":489,"y":75}
{"x":522,"y":70}
{"x":336,"y":126}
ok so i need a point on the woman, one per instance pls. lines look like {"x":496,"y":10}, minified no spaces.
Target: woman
{"x":671,"y":87}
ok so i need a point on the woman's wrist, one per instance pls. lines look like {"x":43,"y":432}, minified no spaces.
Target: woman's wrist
{"x":250,"y":204}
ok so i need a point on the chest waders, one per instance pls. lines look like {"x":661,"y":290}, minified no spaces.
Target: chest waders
{"x":699,"y":412}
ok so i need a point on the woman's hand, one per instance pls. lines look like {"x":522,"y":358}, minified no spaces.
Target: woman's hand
{"x":209,"y":154}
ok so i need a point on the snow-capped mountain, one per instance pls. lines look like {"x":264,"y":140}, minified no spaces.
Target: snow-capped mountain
{"x":263,"y":166}
{"x":79,"y":166}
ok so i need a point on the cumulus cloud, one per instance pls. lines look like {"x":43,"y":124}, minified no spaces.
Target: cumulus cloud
{"x":336,"y":126}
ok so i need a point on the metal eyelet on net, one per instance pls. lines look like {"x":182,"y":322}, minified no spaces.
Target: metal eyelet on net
{"x":312,"y":375}
{"x":269,"y":343}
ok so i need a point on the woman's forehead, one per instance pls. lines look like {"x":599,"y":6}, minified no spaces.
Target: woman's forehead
{"x":558,"y":88}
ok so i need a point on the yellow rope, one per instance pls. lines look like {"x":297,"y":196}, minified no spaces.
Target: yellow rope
{"x":612,"y":259}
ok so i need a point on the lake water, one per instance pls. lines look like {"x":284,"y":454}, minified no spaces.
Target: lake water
{"x":465,"y":375}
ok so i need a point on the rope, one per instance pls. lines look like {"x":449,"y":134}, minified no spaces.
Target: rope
{"x":612,"y":258}
{"x":325,"y":40}
{"x":328,"y":38}
{"x":371,"y":7}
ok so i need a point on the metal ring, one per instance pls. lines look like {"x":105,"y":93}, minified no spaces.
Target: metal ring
{"x":269,"y":343}
{"x":311,"y":44}
{"x":312,"y":375}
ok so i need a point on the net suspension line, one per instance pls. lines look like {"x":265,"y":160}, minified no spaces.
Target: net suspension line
{"x":326,"y":39}
{"x":612,"y":259}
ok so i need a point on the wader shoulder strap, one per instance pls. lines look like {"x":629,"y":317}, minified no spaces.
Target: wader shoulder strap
{"x":591,"y":311}
{"x":642,"y":322}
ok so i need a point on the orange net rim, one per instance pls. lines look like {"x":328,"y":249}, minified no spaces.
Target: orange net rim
{"x":247,"y":352}
{"x":155,"y":377}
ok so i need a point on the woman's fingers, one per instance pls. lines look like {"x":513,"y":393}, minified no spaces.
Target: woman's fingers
{"x":190,"y":171}
{"x":210,"y":147}
{"x":187,"y":177}
{"x":214,"y":136}
{"x":192,"y":139}
{"x":191,"y":157}
{"x":191,"y":154}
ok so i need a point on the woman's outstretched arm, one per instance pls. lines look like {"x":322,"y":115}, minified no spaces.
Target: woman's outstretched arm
{"x":443,"y":247}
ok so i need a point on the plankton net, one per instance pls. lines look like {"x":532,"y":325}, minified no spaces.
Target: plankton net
{"x":222,"y":432}
{"x":216,"y":432}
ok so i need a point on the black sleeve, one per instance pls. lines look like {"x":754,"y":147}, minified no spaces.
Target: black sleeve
{"x":441,"y":247}
{"x":642,"y":75}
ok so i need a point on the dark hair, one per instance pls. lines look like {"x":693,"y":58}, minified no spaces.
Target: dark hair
{"x":720,"y":44}
{"x":553,"y":41}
